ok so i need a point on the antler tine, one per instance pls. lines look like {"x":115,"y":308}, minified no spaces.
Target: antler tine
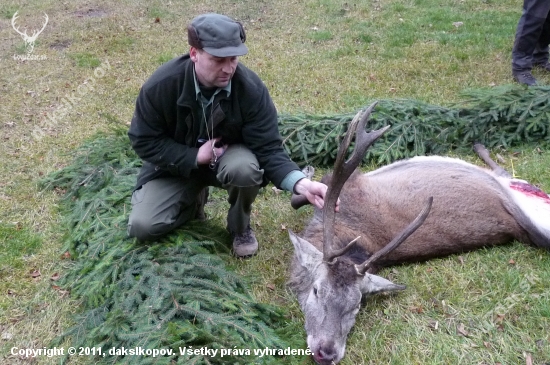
{"x":343,"y":170}
{"x":17,"y":28}
{"x":44,"y":26}
{"x":411,"y":228}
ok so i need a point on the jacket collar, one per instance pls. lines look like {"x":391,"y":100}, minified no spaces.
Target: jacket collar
{"x":201,"y":97}
{"x":186,"y":98}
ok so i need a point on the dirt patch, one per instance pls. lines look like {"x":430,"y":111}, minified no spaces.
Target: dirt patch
{"x":60,"y":45}
{"x":91,"y":13}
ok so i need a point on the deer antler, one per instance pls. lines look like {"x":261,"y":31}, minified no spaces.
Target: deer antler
{"x":342,"y":171}
{"x":35,"y":34}
{"x":24,"y":35}
{"x":413,"y":226}
{"x":28,"y":39}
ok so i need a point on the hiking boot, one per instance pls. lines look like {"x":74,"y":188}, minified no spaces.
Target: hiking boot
{"x":545,"y":65}
{"x":245,"y":244}
{"x":525,"y":78}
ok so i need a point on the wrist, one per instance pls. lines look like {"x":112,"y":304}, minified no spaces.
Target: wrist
{"x":301,"y":186}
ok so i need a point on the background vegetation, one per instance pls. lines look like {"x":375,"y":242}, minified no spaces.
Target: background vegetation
{"x":317,"y":57}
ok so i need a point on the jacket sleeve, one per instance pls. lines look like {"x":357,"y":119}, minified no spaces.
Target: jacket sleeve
{"x":261,"y":135}
{"x":150,"y":136}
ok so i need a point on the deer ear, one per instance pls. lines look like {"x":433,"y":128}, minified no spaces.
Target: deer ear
{"x":307,"y":254}
{"x":373,"y":284}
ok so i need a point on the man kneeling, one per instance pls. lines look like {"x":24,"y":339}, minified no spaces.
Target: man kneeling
{"x":204,"y":119}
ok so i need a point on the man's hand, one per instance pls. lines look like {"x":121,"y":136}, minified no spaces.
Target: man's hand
{"x":314,"y":192}
{"x":205,"y":154}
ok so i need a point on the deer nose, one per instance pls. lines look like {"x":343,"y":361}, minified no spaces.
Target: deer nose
{"x":325,"y":355}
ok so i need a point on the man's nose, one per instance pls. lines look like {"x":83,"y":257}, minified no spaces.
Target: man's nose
{"x":228,"y":67}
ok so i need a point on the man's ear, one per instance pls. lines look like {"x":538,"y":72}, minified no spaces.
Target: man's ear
{"x":373,"y":284}
{"x":308,"y":255}
{"x":193,"y":53}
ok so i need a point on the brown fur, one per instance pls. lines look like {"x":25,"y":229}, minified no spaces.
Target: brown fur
{"x":467,"y":211}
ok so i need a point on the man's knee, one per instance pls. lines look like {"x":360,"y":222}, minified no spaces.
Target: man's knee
{"x":241,"y":175}
{"x":240,"y":168}
{"x":144,"y":229}
{"x":161,"y":206}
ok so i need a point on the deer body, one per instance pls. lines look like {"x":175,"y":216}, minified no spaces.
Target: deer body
{"x":472,"y":207}
{"x":465,"y":207}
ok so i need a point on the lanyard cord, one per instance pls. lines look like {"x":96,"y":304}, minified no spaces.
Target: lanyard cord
{"x":214,"y":158}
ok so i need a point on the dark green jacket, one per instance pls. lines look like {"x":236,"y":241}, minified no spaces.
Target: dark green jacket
{"x":166,"y":122}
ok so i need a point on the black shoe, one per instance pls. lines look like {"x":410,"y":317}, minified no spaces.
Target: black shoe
{"x":525,"y":78}
{"x":545,"y":66}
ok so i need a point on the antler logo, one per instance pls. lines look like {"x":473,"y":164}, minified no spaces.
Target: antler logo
{"x":29,"y":40}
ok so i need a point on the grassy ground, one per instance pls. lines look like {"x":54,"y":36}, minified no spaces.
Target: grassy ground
{"x":317,"y":56}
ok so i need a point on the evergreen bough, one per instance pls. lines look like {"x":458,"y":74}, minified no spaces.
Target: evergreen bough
{"x":505,"y":116}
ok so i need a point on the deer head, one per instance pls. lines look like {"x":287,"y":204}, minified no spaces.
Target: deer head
{"x":29,"y":40}
{"x":330,"y":284}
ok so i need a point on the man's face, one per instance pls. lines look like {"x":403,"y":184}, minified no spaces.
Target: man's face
{"x":213,"y":71}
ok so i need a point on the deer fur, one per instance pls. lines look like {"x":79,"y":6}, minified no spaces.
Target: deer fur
{"x":472,"y":207}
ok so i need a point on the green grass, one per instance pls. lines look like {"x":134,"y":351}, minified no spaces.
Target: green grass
{"x":361,"y":51}
{"x":17,"y":243}
{"x":86,"y":60}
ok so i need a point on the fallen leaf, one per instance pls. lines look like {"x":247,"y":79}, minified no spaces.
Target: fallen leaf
{"x":458,"y":24}
{"x":512,"y":262}
{"x":55,"y":276}
{"x":433,"y":324}
{"x":283,"y":227}
{"x":276,"y":191}
{"x":271,"y":286}
{"x":461,"y":330}
{"x":528,"y":359}
{"x":461,"y":259}
{"x":60,"y":291}
{"x":6,"y":336}
{"x":35,"y":273}
{"x":66,"y":255}
{"x":157,"y":20}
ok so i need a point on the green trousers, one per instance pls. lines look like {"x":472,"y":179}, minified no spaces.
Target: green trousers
{"x":163,"y":204}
